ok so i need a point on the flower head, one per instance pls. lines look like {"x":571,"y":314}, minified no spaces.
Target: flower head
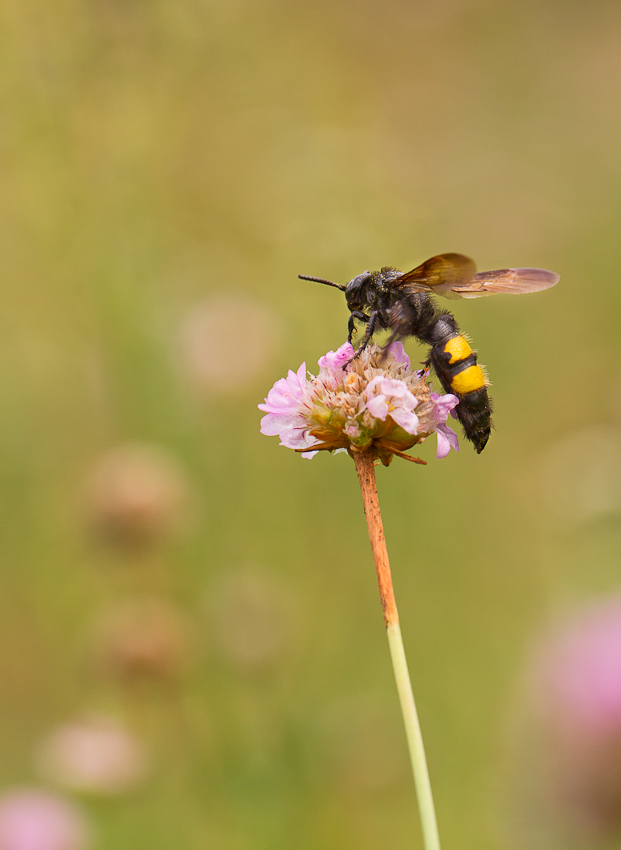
{"x":374,"y":401}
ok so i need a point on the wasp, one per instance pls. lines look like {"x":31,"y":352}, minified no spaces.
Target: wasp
{"x":401,"y":302}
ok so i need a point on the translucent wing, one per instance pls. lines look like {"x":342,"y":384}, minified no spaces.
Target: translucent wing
{"x":441,"y":274}
{"x":511,"y":281}
{"x":454,"y":276}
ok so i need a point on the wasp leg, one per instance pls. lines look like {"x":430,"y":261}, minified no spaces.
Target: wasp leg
{"x":366,"y":339}
{"x":351,"y":324}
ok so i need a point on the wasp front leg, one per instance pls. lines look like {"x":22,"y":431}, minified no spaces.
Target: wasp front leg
{"x":351,"y":323}
{"x":371,"y":322}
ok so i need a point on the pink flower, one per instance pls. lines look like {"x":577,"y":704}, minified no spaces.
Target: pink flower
{"x":580,"y":672}
{"x":35,"y":820}
{"x":447,"y":438}
{"x":356,"y":403}
{"x":575,"y":702}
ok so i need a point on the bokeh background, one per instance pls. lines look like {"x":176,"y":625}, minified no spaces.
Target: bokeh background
{"x":192,"y":652}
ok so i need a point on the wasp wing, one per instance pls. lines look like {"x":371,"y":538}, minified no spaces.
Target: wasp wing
{"x":441,"y":274}
{"x":510,"y":281}
{"x":454,"y":276}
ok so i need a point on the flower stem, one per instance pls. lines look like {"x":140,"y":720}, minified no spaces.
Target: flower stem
{"x":366,"y":476}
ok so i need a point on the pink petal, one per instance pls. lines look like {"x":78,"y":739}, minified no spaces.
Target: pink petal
{"x":444,"y":446}
{"x":301,"y":375}
{"x":337,"y":359}
{"x":406,"y":419}
{"x":443,"y":405}
{"x":297,"y":438}
{"x":372,"y":385}
{"x":394,"y":387}
{"x":447,"y":439}
{"x":378,"y":407}
{"x":274,"y":423}
{"x":398,"y":353}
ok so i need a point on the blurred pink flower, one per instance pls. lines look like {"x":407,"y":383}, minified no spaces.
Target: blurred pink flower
{"x":93,"y":755}
{"x":575,"y":699}
{"x":36,"y":820}
{"x":137,"y":494}
{"x":141,"y":639}
{"x":209,"y":358}
{"x":371,"y":402}
{"x":580,"y":672}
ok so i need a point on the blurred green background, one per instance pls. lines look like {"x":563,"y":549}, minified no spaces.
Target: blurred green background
{"x":166,"y":171}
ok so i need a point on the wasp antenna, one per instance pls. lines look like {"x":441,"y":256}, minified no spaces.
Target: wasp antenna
{"x":322,"y":280}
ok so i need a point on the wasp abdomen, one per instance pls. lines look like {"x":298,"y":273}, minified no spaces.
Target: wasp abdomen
{"x":455,"y":364}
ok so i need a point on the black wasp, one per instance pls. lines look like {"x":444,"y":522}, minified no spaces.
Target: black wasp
{"x":401,"y":302}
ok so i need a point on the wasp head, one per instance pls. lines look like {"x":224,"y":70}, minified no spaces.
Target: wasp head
{"x":357,"y":291}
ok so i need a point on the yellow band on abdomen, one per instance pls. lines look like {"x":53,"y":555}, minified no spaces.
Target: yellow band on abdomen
{"x":468,"y":381}
{"x":458,"y":348}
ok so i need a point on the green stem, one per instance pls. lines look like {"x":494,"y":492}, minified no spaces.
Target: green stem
{"x":366,"y":475}
{"x":415,"y":738}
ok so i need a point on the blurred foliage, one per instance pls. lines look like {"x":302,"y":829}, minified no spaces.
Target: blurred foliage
{"x":157,"y":158}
